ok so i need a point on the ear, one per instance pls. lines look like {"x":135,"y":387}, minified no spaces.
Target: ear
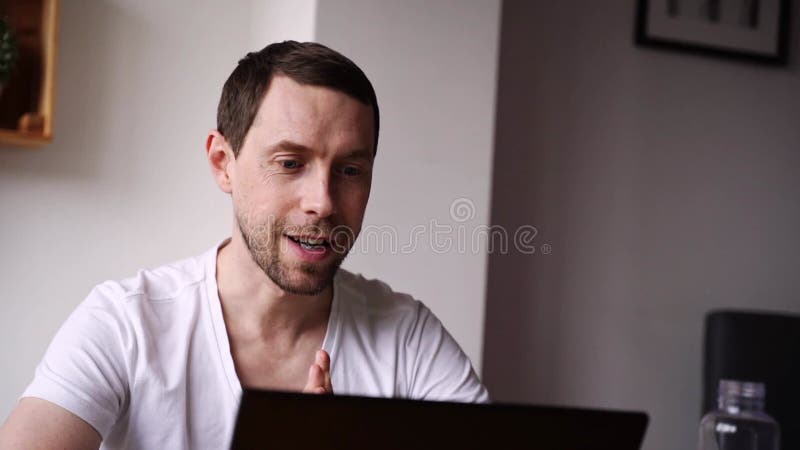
{"x":220,"y":159}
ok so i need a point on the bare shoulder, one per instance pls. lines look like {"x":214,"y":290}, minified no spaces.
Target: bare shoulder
{"x":39,"y":424}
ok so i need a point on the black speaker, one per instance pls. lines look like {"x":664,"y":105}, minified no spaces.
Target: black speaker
{"x":761,"y":347}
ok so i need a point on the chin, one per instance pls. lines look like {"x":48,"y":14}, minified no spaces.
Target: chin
{"x":304,"y":287}
{"x":304,"y":280}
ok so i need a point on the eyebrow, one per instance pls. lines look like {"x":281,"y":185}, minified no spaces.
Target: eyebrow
{"x":291,"y":146}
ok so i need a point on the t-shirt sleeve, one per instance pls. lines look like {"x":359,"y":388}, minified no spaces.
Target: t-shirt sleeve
{"x":441,"y":371}
{"x":85,"y":370}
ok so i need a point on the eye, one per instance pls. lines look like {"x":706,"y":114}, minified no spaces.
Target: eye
{"x":351,"y":171}
{"x":289,"y":164}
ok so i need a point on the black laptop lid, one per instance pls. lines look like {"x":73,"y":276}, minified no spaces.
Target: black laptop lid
{"x":282,"y":420}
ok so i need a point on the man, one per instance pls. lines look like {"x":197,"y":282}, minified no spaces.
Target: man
{"x":159,"y":360}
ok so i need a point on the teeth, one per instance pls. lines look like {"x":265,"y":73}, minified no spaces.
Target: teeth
{"x":308,"y":242}
{"x":311,"y":247}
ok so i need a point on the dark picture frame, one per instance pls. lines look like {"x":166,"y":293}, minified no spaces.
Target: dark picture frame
{"x":752,"y":30}
{"x":26,"y":101}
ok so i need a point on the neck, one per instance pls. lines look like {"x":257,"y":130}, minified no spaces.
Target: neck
{"x":255,"y":308}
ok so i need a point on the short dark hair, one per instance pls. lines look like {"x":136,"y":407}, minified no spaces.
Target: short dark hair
{"x":306,"y":63}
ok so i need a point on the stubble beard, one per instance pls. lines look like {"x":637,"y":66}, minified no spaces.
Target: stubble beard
{"x":264,"y":241}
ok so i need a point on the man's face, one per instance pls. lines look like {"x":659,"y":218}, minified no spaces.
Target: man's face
{"x":302,"y":181}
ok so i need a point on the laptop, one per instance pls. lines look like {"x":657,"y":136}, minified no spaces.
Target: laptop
{"x":282,"y":420}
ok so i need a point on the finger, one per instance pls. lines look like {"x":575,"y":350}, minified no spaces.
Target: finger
{"x":316,"y":379}
{"x":328,"y":385}
{"x":323,"y":360}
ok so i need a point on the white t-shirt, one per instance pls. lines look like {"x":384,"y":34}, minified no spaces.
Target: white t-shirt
{"x":146,"y":361}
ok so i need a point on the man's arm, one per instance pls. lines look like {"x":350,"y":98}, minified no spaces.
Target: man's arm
{"x":39,"y":424}
{"x":80,"y":387}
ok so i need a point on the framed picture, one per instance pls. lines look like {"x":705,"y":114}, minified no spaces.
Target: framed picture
{"x":756,"y":30}
{"x":27,"y":86}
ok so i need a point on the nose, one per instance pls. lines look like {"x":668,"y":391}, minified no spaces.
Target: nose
{"x":317,"y":198}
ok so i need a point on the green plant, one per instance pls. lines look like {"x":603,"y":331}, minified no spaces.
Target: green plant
{"x":8,"y":51}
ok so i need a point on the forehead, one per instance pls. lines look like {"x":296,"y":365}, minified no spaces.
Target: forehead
{"x":317,"y":117}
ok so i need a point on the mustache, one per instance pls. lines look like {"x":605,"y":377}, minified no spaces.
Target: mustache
{"x":340,"y":237}
{"x":260,"y":235}
{"x":321,"y":228}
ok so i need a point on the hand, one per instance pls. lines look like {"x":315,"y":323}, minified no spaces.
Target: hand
{"x":319,"y":375}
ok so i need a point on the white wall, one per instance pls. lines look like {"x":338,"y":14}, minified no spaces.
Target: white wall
{"x":124,"y":184}
{"x":280,"y":20}
{"x":433,"y":65}
{"x":667,"y":185}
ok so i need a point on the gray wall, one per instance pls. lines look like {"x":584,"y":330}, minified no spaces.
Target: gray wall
{"x":667,"y":185}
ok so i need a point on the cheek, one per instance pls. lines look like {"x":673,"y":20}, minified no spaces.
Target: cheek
{"x":353,"y":206}
{"x":261,"y":193}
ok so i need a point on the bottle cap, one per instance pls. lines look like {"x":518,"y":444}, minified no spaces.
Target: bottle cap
{"x":743,"y":389}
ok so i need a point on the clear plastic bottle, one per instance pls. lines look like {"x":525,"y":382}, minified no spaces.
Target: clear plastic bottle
{"x":739,"y":423}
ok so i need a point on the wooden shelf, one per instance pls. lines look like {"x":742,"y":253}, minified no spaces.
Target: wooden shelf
{"x":26,"y":103}
{"x":23,"y":139}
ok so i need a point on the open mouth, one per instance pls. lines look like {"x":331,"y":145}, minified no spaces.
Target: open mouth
{"x":308,"y":243}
